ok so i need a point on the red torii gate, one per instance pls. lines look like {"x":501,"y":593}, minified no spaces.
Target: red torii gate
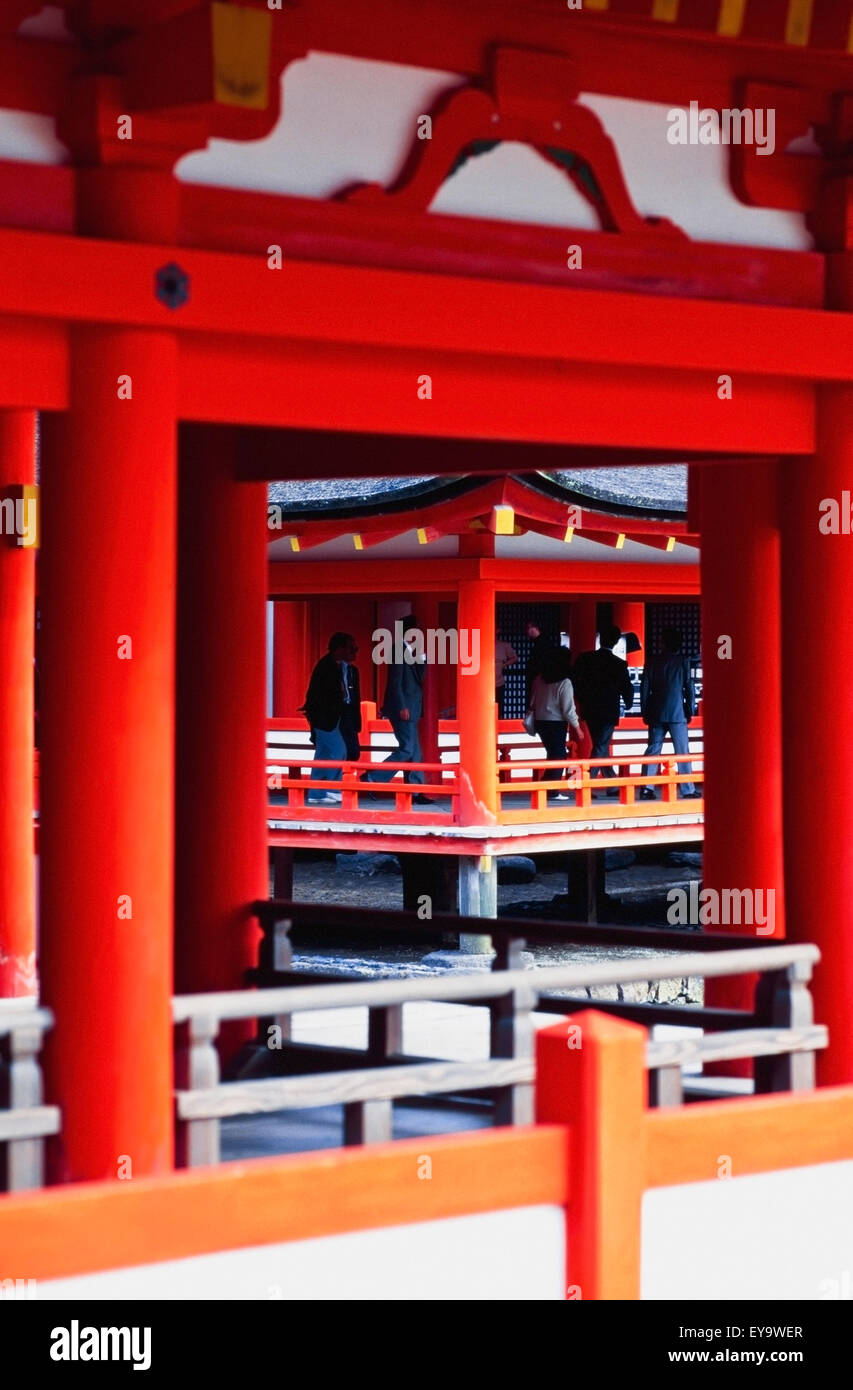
{"x":86,"y":250}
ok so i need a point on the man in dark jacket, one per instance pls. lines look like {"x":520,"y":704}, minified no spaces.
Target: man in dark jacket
{"x":333,"y":709}
{"x":403,"y":706}
{"x":601,"y":680}
{"x":667,"y":704}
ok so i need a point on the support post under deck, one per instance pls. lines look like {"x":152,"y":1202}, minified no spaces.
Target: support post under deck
{"x":478,"y":897}
{"x":17,"y":636}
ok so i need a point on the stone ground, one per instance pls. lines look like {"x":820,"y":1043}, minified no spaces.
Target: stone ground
{"x":640,"y":889}
{"x":439,"y":1029}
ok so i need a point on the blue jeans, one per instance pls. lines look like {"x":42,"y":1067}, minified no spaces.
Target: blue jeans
{"x":409,"y":751}
{"x":680,"y":744}
{"x":328,"y":743}
{"x":602,"y":736}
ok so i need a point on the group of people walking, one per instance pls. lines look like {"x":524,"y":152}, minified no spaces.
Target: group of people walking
{"x":333,"y":709}
{"x":562,"y":694}
{"x":562,"y":697}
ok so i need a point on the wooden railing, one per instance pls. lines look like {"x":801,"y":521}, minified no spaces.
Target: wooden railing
{"x":357,"y":794}
{"x":24,"y":1120}
{"x":586,"y":782}
{"x":785,"y":1049}
{"x":523,"y":792}
{"x":510,"y":937}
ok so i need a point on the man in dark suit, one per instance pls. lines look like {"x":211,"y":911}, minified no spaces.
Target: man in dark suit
{"x":601,"y":680}
{"x":333,"y":709}
{"x":403,"y":706}
{"x":667,"y":704}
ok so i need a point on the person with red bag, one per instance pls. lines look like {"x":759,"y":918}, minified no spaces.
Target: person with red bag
{"x":553,"y":711}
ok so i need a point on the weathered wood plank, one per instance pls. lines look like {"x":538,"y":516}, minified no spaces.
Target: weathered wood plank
{"x":23,"y":1160}
{"x":302,"y":998}
{"x":338,"y":916}
{"x":712,"y":1020}
{"x":513,"y":1035}
{"x":197,"y":1068}
{"x":666,"y":1087}
{"x":368,"y":1122}
{"x":747,"y":1042}
{"x":783,"y":1000}
{"x":385,"y":1033}
{"x":33,"y":1123}
{"x":344,"y":1088}
{"x":14,"y":1012}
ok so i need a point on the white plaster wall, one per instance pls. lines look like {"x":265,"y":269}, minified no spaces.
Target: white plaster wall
{"x":781,"y":1235}
{"x":508,"y":1256}
{"x":347,"y":120}
{"x":531,"y":546}
{"x":30,"y":138}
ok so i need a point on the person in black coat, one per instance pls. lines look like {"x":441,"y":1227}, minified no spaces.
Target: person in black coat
{"x":403,"y":707}
{"x":667,"y":704}
{"x":601,"y":681}
{"x":333,"y":708}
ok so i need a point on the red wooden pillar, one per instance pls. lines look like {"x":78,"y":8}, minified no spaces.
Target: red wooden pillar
{"x":289,"y":674}
{"x":221,"y":855}
{"x":583,"y":626}
{"x":107,"y":590}
{"x":631,"y":617}
{"x":590,"y":1075}
{"x":107,"y":584}
{"x":476,"y":708}
{"x":17,"y":634}
{"x":817,"y":622}
{"x":742,"y":699}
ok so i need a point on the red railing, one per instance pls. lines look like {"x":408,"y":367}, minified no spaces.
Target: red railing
{"x":523,"y":792}
{"x":357,"y":793}
{"x":588,"y":794}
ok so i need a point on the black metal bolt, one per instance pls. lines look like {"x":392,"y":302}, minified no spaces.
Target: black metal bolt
{"x":172,"y":286}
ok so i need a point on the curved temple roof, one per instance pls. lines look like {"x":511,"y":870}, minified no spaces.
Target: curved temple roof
{"x":659,"y":491}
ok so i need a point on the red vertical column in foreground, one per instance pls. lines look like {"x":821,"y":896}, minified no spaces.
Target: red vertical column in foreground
{"x":17,"y":636}
{"x":590,"y":1075}
{"x":221,"y":854}
{"x":817,"y":621}
{"x":475,"y":707}
{"x":742,"y":701}
{"x":107,"y":586}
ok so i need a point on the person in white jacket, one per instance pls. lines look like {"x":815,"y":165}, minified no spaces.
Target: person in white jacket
{"x":552,"y":704}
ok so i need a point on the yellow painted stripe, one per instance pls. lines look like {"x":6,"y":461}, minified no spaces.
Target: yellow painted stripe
{"x":799,"y":21}
{"x":596,"y":4}
{"x":730,"y":21}
{"x":665,"y":9}
{"x":357,"y":541}
{"x":620,"y":540}
{"x":242,"y":45}
{"x":570,"y":531}
{"x":422,"y":536}
{"x":504,"y":519}
{"x":30,"y":493}
{"x":294,"y":544}
{"x":670,"y":542}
